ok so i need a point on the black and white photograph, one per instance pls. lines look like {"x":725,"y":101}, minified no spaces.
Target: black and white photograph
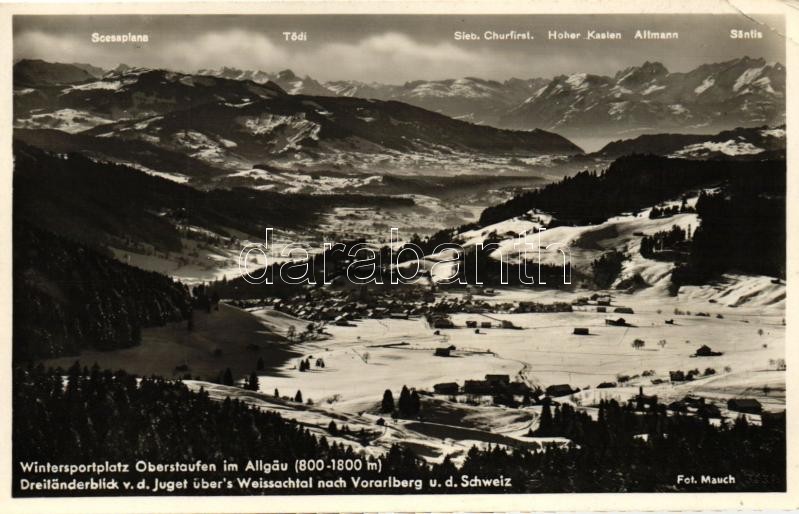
{"x":398,"y":254}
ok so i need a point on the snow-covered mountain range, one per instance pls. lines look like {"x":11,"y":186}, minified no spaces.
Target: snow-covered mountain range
{"x":238,"y":118}
{"x":639,"y":99}
{"x":235,"y":123}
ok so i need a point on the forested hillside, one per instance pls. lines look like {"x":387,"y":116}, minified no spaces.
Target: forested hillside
{"x":742,"y":230}
{"x":101,"y":203}
{"x":68,"y":297}
{"x":632,"y":183}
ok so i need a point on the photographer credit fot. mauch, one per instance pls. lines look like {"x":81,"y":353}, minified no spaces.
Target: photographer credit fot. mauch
{"x":397,"y":254}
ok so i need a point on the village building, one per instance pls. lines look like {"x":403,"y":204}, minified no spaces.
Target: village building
{"x":477,"y":387}
{"x":341,"y":321}
{"x":581,"y":331}
{"x":694,"y":401}
{"x":443,"y":322}
{"x":643,"y":402}
{"x":519,"y":388}
{"x":709,"y":410}
{"x":705,"y":351}
{"x":746,"y":405}
{"x":442,"y":352}
{"x":559,"y":390}
{"x":498,"y":379}
{"x":446,"y":388}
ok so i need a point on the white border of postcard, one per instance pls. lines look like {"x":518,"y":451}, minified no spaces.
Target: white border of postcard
{"x":405,"y":503}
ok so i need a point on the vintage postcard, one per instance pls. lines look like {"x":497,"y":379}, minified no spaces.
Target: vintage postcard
{"x":384,"y":256}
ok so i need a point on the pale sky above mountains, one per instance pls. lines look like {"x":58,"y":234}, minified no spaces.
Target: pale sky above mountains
{"x":394,"y":49}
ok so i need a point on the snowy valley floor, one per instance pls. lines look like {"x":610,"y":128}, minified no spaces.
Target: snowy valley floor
{"x":363,"y":360}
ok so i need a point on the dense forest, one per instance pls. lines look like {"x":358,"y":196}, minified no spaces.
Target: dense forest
{"x":665,"y":245}
{"x":99,"y":415}
{"x":68,"y":297}
{"x":101,"y":203}
{"x":607,"y":268}
{"x":632,"y":183}
{"x":742,"y":230}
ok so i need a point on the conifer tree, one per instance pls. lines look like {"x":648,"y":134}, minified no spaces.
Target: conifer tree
{"x":545,"y":423}
{"x":387,"y":405}
{"x":404,"y":403}
{"x":415,"y":403}
{"x":252,"y":383}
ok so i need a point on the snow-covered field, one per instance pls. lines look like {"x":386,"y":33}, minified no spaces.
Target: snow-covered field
{"x":740,"y":316}
{"x":362,"y":361}
{"x":392,"y":353}
{"x":68,"y":120}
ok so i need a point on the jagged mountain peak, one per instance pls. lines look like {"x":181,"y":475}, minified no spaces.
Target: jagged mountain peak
{"x":636,"y":75}
{"x":286,"y":74}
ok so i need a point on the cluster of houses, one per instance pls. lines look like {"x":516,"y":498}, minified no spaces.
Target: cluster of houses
{"x":439,"y":320}
{"x":492,"y":384}
{"x":697,"y":405}
{"x":526,"y":307}
{"x":497,"y":383}
{"x":491,"y":323}
{"x":343,"y":307}
{"x":480,"y":290}
{"x":601,"y":303}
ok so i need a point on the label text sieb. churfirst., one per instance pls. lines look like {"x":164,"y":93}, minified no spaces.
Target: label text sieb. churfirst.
{"x":120,"y":38}
{"x":492,"y":35}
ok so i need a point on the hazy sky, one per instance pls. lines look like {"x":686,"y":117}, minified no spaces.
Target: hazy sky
{"x":392,"y":48}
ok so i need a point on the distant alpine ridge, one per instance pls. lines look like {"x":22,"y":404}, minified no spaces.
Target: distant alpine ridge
{"x":636,"y":100}
{"x":230,"y":117}
{"x":235,"y":122}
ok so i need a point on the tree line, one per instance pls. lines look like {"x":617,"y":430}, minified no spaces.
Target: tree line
{"x":68,"y":297}
{"x":630,"y":183}
{"x":97,"y":415}
{"x":743,"y":230}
